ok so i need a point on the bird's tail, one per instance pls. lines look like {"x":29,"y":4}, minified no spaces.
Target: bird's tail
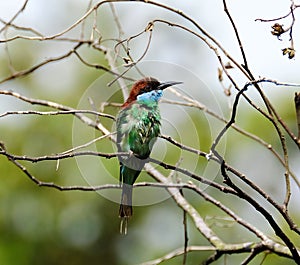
{"x":125,"y":211}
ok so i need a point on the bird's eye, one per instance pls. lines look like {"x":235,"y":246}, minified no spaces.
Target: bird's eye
{"x":147,"y":88}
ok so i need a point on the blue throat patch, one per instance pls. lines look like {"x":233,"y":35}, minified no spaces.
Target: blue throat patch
{"x":154,"y":95}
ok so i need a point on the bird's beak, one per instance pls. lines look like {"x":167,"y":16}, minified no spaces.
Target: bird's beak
{"x":167,"y":84}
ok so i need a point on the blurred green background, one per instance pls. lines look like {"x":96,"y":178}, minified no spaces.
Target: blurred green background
{"x":41,"y":225}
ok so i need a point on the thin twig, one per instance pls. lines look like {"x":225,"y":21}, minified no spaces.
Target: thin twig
{"x":245,"y":65}
{"x":178,"y":252}
{"x":186,"y":238}
{"x":39,"y":65}
{"x":297,"y":107}
{"x":15,"y":16}
{"x":54,"y":113}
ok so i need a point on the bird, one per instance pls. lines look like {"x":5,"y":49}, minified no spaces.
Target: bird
{"x":137,"y":126}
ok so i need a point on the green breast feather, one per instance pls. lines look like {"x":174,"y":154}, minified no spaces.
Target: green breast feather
{"x":138,"y":125}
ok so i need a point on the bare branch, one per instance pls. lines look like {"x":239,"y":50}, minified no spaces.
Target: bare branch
{"x":178,"y":252}
{"x":297,"y":107}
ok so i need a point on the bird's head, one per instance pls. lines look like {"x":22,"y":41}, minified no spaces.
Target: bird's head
{"x":146,"y":85}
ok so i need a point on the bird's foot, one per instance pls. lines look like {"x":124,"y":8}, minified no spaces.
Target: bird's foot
{"x":131,"y":154}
